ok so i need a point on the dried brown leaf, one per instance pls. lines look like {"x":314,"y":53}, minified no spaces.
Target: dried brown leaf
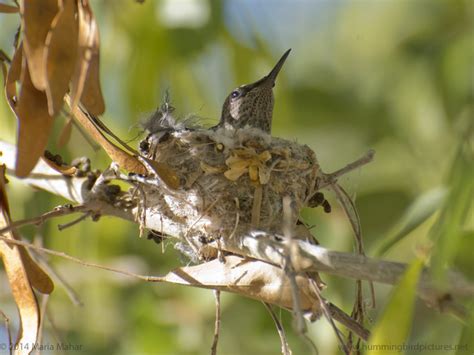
{"x":251,"y":278}
{"x":35,"y":124}
{"x":63,"y":169}
{"x":87,"y":28}
{"x":14,"y":75}
{"x":18,"y":279}
{"x":37,"y":276}
{"x":37,"y":17}
{"x":8,"y":9}
{"x":61,"y":55}
{"x":122,"y":158}
{"x":166,"y":173}
{"x":86,"y":80}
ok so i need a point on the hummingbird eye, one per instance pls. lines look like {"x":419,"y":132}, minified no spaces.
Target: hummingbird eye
{"x":234,"y":94}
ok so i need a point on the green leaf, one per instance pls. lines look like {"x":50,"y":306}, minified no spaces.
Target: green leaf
{"x":417,"y":213}
{"x":393,"y":328}
{"x":448,"y":230}
{"x":466,"y":342}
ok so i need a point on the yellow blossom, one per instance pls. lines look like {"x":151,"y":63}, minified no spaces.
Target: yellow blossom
{"x":247,"y":160}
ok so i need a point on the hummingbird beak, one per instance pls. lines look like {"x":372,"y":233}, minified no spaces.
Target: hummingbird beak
{"x":271,"y":77}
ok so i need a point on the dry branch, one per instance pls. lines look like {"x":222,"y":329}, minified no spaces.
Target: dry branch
{"x":258,"y":245}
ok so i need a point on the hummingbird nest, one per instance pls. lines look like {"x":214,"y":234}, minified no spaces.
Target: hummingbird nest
{"x":230,"y":181}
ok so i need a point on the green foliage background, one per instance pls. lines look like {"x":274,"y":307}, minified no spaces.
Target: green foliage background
{"x":389,"y":75}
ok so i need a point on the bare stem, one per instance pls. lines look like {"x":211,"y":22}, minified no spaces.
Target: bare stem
{"x":39,"y":220}
{"x":285,"y":348}
{"x":217,"y":324}
{"x":329,"y":179}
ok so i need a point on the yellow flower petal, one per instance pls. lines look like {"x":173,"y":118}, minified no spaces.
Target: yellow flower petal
{"x":253,"y":172}
{"x":234,"y":174}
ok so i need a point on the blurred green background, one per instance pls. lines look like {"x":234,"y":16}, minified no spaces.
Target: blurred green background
{"x":396,"y":76}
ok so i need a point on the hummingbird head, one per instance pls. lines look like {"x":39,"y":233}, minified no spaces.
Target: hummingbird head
{"x":252,"y":104}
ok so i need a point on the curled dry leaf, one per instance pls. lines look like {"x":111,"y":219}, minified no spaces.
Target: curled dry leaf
{"x":34,"y":121}
{"x":7,"y":9}
{"x":61,"y":55}
{"x":13,"y":76}
{"x":66,"y":170}
{"x":19,"y":279}
{"x":37,"y":276}
{"x":37,"y":17}
{"x":250,"y":278}
{"x":85,"y":84}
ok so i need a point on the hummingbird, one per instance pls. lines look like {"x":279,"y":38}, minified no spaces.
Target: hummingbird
{"x":251,"y":105}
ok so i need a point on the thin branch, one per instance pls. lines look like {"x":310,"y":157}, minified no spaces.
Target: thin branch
{"x":79,"y":261}
{"x":217,"y":324}
{"x":74,"y":222}
{"x":39,"y":220}
{"x":343,"y":318}
{"x":327,"y":314}
{"x":285,"y":348}
{"x":329,"y":179}
{"x":50,"y":270}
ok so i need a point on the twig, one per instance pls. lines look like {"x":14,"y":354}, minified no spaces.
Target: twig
{"x":331,"y":178}
{"x":237,"y":217}
{"x":256,"y":206}
{"x":57,"y":212}
{"x":81,"y":262}
{"x":71,"y":293}
{"x":290,"y":259}
{"x":217,"y":324}
{"x":54,"y":329}
{"x":300,"y":323}
{"x":285,"y":348}
{"x":327,"y":314}
{"x":74,"y":222}
{"x":343,"y":318}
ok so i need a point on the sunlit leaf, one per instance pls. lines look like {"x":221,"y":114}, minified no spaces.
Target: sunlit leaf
{"x":394,"y":325}
{"x":250,"y":278}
